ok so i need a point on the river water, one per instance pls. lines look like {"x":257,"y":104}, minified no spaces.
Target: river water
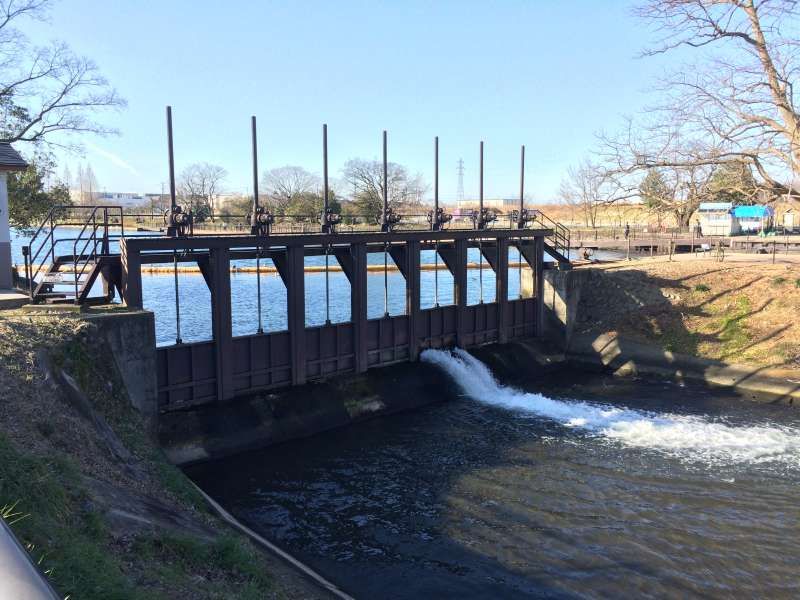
{"x":577,"y":486}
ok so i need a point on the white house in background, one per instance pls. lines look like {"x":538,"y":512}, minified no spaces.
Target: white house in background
{"x":502,"y":205}
{"x":791,"y":219}
{"x":124,"y":199}
{"x":716,"y":218}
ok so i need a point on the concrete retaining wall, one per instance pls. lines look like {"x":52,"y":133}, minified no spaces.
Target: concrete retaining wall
{"x":216,"y":430}
{"x":131,"y":335}
{"x":627,"y":357}
{"x":570,"y":297}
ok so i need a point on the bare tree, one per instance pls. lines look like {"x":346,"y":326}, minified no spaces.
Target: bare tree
{"x":365,"y":177}
{"x":285,"y":185}
{"x":200,"y":184}
{"x":46,"y":90}
{"x":588,"y":187}
{"x":735,"y":105}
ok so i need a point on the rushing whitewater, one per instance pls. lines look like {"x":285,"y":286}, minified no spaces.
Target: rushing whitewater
{"x":687,"y":437}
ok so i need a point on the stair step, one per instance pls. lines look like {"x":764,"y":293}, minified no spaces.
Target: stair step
{"x":60,"y":277}
{"x":55,"y":294}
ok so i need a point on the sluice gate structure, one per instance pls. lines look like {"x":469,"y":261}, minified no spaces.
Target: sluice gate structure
{"x":228,"y":366}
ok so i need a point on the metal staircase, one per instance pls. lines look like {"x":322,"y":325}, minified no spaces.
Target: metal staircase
{"x":556,"y":245}
{"x":54,"y":277}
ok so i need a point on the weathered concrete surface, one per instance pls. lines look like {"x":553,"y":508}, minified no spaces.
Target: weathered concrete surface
{"x":216,"y":430}
{"x":131,"y":335}
{"x":627,"y":357}
{"x":562,"y":295}
{"x":10,"y":299}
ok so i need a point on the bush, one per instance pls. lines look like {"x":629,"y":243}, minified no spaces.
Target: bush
{"x":702,"y":287}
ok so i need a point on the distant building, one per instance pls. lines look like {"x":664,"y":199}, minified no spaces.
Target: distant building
{"x":723,"y":218}
{"x":753,"y":219}
{"x":716,"y":218}
{"x":502,"y":205}
{"x":124,"y":199}
{"x":791,"y":219}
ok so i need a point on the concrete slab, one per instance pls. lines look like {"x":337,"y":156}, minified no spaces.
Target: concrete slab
{"x":54,"y":308}
{"x":10,"y":299}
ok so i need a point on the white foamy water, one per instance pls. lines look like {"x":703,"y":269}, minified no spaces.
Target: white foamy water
{"x":688,"y":437}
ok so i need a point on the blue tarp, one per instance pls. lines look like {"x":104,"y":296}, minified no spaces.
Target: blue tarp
{"x":753,"y":212}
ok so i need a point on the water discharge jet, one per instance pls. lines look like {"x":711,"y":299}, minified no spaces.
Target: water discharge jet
{"x":686,"y":437}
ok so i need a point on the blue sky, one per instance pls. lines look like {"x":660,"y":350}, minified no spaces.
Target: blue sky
{"x":546,"y":74}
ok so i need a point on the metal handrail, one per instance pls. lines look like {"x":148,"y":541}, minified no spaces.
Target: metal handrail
{"x":35,"y":262}
{"x":33,"y":250}
{"x":78,"y":257}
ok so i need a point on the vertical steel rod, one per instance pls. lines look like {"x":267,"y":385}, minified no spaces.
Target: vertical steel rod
{"x":177,"y":299}
{"x":171,"y":159}
{"x":325,"y":170}
{"x":327,"y":287}
{"x":385,"y":181}
{"x":522,"y":187}
{"x":436,"y":275}
{"x":258,"y":283}
{"x":480,"y":196}
{"x":254,"y":217}
{"x":435,"y":180}
{"x":519,"y":266}
{"x":385,"y":279}
{"x":480,"y":260}
{"x":255,"y":167}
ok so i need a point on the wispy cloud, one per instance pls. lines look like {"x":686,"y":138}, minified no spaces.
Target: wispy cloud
{"x":113,"y":158}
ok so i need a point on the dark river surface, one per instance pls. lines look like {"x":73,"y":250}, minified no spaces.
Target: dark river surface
{"x":578,"y":486}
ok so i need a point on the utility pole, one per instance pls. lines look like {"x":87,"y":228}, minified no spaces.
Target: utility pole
{"x":460,"y":192}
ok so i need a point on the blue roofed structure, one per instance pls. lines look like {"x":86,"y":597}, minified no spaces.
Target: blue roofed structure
{"x":754,"y":219}
{"x":756,"y":211}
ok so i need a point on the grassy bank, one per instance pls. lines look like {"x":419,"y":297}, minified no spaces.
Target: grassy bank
{"x":92,"y":497}
{"x":734,"y":312}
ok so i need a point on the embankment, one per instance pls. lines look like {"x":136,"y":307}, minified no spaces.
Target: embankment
{"x":87,"y":489}
{"x":733,"y":325}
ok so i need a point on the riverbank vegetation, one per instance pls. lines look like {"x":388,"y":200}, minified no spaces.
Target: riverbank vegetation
{"x":738,"y":313}
{"x":92,"y":496}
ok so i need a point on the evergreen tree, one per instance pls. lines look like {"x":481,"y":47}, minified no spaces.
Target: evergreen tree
{"x":654,"y":191}
{"x":733,"y":182}
{"x":29,"y":200}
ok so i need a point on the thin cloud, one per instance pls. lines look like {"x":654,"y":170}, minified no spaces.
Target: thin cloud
{"x":115,"y":159}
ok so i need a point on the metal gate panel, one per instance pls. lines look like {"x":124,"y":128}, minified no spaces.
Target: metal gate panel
{"x":521,"y":318}
{"x":387,"y":340}
{"x":480,"y":325}
{"x":186,"y":375}
{"x":261,"y":361}
{"x":329,"y":350}
{"x":436,"y":327}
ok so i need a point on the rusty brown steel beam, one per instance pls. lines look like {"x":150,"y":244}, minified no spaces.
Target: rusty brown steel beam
{"x":539,"y":273}
{"x":358,"y":305}
{"x":296,"y":309}
{"x":412,"y":275}
{"x":198,"y":242}
{"x":131,"y":277}
{"x":221,"y":327}
{"x":501,"y":289}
